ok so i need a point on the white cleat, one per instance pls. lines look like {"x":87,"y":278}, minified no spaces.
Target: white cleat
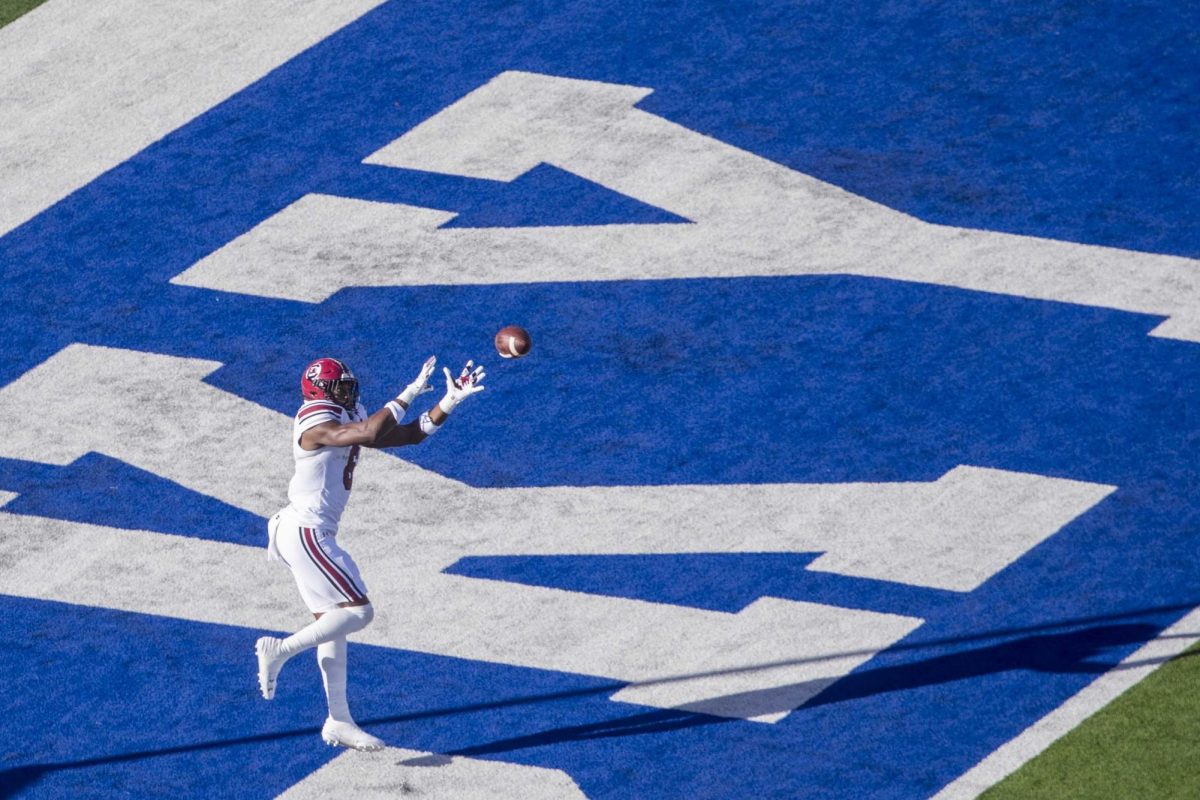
{"x":347,"y":734}
{"x":269,"y":664}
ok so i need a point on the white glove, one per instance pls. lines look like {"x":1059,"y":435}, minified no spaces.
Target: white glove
{"x":420,"y":384}
{"x":468,"y":382}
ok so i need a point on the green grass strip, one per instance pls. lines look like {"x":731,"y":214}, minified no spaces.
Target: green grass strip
{"x":11,"y":9}
{"x":1144,"y":745}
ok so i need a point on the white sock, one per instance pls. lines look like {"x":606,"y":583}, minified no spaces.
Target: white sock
{"x":331,"y":656}
{"x":340,"y":622}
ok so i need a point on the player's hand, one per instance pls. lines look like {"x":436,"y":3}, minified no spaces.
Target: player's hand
{"x":468,"y":382}
{"x":420,"y":384}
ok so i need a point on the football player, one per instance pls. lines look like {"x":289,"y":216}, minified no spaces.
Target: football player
{"x":327,"y":433}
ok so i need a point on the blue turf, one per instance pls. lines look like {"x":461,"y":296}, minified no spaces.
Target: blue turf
{"x":1066,"y":120}
{"x":104,"y":491}
{"x":715,"y":581}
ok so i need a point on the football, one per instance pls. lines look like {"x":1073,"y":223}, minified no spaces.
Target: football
{"x":512,"y":341}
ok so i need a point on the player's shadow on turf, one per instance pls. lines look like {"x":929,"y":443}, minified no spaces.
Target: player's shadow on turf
{"x":637,"y":724}
{"x":1079,"y":651}
{"x":1074,"y":652}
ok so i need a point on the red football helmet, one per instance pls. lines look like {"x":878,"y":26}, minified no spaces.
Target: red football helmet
{"x":330,"y":379}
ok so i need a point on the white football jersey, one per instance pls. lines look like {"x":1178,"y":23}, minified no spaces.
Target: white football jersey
{"x":321,"y":486}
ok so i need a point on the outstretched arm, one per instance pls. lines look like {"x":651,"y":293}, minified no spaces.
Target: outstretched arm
{"x":469,"y":382}
{"x":336,"y":434}
{"x":401,"y":435}
{"x":374,"y":430}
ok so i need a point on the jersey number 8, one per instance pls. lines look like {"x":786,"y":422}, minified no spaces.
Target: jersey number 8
{"x":351,"y":463}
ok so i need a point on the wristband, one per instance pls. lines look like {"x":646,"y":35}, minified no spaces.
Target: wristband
{"x":427,"y":426}
{"x":447,"y":404}
{"x":396,"y":409}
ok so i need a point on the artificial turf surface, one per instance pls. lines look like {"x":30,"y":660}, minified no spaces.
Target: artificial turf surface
{"x":11,"y":9}
{"x":1142,"y":745}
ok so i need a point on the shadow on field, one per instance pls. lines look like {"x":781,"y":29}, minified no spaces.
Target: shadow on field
{"x":1042,"y":648}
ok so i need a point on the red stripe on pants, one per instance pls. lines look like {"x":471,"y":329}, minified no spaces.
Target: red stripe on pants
{"x":330,"y":570}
